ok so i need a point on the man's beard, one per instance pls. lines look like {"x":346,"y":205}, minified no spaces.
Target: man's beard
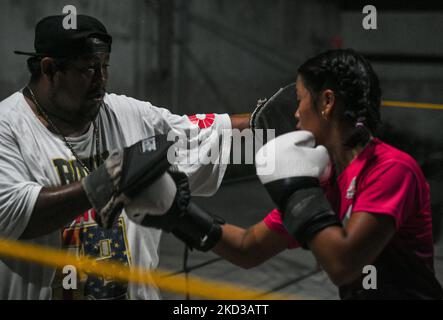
{"x":91,"y":113}
{"x":75,"y":116}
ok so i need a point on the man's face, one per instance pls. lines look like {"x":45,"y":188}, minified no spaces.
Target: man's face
{"x":77,"y":92}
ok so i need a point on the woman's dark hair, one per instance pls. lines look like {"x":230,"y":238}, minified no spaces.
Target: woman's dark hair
{"x":356,"y":88}
{"x":35,"y":68}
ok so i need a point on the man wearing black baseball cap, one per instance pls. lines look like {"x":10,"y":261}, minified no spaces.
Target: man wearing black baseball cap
{"x":52,"y":39}
{"x":79,"y":56}
{"x":59,"y":129}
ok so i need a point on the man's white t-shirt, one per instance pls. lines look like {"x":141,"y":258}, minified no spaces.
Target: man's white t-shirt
{"x":32,"y":157}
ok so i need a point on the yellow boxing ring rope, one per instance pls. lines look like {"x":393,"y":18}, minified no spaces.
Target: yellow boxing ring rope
{"x":395,"y":104}
{"x":416,"y":105}
{"x":178,"y":283}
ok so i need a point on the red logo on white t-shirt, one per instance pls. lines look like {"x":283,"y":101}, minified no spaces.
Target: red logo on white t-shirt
{"x":203,"y":120}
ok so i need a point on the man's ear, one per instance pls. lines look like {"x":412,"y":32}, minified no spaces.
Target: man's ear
{"x":48,"y":67}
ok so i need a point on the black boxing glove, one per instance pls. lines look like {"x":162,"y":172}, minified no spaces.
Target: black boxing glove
{"x":167,"y":205}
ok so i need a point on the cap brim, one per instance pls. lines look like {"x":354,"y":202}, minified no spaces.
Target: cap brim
{"x":31,"y":54}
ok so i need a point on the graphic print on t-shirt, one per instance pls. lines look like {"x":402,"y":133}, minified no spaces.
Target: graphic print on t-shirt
{"x":202,"y":120}
{"x":84,"y":237}
{"x":350,"y":194}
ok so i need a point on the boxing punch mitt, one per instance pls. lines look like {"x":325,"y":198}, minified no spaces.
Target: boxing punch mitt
{"x":275,"y":113}
{"x":123,"y":175}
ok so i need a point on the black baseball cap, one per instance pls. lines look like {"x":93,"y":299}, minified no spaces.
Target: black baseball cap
{"x":53,"y":40}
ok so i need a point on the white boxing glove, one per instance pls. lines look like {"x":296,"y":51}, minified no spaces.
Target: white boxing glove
{"x":166,"y":205}
{"x":292,"y":155}
{"x":291,"y":168}
{"x":154,"y":200}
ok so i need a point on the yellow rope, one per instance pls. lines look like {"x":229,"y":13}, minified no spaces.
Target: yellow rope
{"x":416,"y":105}
{"x":177,"y":284}
{"x":389,"y":103}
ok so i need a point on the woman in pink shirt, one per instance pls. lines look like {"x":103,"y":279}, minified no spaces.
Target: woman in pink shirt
{"x":379,"y":193}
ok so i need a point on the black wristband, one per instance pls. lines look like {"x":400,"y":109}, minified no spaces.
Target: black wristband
{"x":198,"y":229}
{"x":280,"y":190}
{"x":306,"y":213}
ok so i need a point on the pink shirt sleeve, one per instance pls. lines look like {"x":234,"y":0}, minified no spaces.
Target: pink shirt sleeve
{"x":274,"y":222}
{"x":389,"y":189}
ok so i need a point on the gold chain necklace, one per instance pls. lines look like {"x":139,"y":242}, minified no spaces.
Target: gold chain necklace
{"x":67,"y":143}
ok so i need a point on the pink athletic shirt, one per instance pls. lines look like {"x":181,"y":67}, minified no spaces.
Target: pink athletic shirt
{"x":387,"y":181}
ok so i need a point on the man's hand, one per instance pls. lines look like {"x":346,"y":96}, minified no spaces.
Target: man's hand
{"x":240,"y":121}
{"x":123,"y":175}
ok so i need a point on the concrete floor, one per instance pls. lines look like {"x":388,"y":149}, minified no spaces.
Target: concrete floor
{"x":244,"y":203}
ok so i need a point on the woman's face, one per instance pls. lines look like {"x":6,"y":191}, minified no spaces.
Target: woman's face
{"x":308,"y":117}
